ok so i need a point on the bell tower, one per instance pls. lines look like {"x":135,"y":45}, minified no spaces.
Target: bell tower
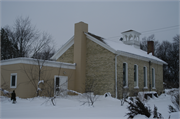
{"x":131,"y":37}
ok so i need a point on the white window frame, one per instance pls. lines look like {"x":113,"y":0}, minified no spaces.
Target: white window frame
{"x":12,"y":74}
{"x":145,"y":87}
{"x":126,"y":75}
{"x":59,"y":81}
{"x":153,"y":77}
{"x":136,"y":76}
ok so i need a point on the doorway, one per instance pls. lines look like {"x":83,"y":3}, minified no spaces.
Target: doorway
{"x":60,"y":85}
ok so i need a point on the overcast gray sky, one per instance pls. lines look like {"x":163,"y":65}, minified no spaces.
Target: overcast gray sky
{"x":104,"y":18}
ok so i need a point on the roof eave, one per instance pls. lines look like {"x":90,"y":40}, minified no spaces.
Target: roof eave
{"x":100,"y":43}
{"x":63,"y":49}
{"x":31,"y":61}
{"x":127,"y":54}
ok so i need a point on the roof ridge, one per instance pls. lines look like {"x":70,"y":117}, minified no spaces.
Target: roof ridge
{"x":97,"y":37}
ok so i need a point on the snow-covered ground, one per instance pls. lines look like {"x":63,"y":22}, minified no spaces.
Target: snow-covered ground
{"x":71,"y":107}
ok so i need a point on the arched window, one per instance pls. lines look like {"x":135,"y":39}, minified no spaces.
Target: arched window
{"x":125,"y":74}
{"x":136,"y":76}
{"x":153,"y":78}
{"x":145,"y":76}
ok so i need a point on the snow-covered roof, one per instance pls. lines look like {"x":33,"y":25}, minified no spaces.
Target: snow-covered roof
{"x":24,"y":60}
{"x":132,"y":31}
{"x":120,"y":46}
{"x":116,"y":47}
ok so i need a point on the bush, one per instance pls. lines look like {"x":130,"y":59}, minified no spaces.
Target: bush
{"x":175,"y":100}
{"x":138,"y":108}
{"x":157,"y":114}
{"x":171,"y":109}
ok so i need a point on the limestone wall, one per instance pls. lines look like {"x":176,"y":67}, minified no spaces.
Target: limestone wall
{"x":100,"y":68}
{"x":68,"y":56}
{"x":131,"y":62}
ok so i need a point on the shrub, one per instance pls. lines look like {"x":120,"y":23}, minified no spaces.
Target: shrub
{"x":157,"y":114}
{"x":138,"y":108}
{"x":175,"y":100}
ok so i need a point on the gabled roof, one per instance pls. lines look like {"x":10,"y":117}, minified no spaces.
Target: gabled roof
{"x":63,"y":49}
{"x":127,"y":31}
{"x":131,"y":31}
{"x":116,"y":47}
{"x":97,"y":37}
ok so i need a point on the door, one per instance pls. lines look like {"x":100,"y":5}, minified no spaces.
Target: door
{"x":60,"y":85}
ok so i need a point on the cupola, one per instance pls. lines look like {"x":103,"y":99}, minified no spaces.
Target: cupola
{"x":131,"y":37}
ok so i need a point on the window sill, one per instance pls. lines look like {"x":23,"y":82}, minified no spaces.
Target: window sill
{"x":136,"y":87}
{"x":145,"y":88}
{"x":126,"y":87}
{"x":13,"y":87}
{"x":153,"y":88}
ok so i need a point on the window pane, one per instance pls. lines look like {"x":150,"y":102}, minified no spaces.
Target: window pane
{"x":152,"y":77}
{"x":135,"y":80}
{"x":57,"y":81}
{"x":124,"y":74}
{"x":144,"y":76}
{"x":13,"y":80}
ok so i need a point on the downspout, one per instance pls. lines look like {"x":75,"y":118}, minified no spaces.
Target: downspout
{"x":149,"y":75}
{"x":116,"y":73}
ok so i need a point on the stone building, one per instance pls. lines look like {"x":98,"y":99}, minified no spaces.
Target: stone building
{"x":111,"y":66}
{"x":90,"y":63}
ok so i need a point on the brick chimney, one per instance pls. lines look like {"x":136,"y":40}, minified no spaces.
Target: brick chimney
{"x":150,"y":47}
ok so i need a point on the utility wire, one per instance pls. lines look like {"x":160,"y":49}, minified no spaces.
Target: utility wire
{"x":160,"y":31}
{"x":161,"y":28}
{"x":168,"y":28}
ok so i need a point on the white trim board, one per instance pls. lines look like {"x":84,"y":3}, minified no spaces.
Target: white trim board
{"x":139,"y":57}
{"x":100,"y":43}
{"x":13,"y":74}
{"x":63,"y":49}
{"x":23,"y":60}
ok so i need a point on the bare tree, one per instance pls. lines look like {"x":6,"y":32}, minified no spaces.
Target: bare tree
{"x":90,"y":97}
{"x":38,"y":75}
{"x":9,"y":49}
{"x":5,"y":89}
{"x":175,"y":100}
{"x":24,"y":35}
{"x":52,"y":92}
{"x":43,"y":49}
{"x":25,"y":39}
{"x":124,"y":90}
{"x":169,"y":52}
{"x":143,"y":44}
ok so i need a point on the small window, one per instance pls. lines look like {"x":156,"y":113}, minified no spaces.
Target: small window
{"x":136,"y":76}
{"x":153,"y":78}
{"x":13,"y":80}
{"x":145,"y":76}
{"x":125,"y":75}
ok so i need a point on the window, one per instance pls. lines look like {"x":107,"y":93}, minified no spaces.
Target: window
{"x":136,"y":76}
{"x":153,"y":78}
{"x":125,"y":75}
{"x":13,"y":80}
{"x":145,"y":76}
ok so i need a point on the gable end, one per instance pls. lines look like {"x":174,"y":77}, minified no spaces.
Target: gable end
{"x":63,"y":49}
